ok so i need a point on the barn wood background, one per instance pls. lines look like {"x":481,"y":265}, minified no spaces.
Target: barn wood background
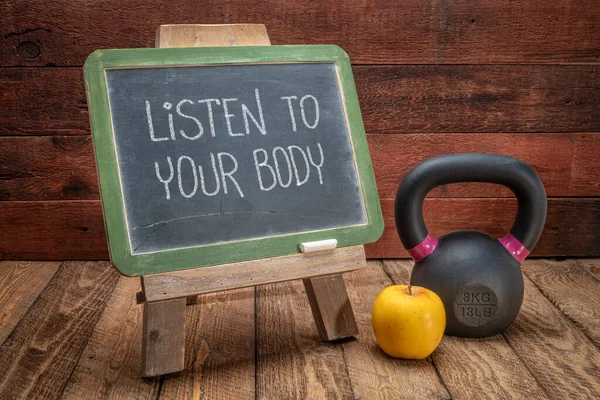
{"x":434,"y":77}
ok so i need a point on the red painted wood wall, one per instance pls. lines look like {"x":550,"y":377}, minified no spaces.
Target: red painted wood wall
{"x":520,"y":78}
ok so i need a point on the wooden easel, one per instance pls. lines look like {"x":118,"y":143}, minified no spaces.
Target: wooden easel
{"x":165,"y":296}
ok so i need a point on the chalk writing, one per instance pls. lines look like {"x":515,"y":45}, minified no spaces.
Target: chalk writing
{"x":276,"y":167}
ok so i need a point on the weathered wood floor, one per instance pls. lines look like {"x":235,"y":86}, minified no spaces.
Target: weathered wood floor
{"x":73,"y":330}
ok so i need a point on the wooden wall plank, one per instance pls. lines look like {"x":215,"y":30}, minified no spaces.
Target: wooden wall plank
{"x":35,"y":99}
{"x":219,"y":349}
{"x":291,"y":361}
{"x":59,"y":230}
{"x":394,"y":99}
{"x":571,"y":289}
{"x":75,"y":229}
{"x":110,"y":365}
{"x":21,"y":282}
{"x":58,"y":32}
{"x":63,"y":167}
{"x":563,"y":360}
{"x":586,"y":163}
{"x":48,"y":168}
{"x":370,"y":369}
{"x":471,"y":367}
{"x":478,"y":98}
{"x":38,"y":358}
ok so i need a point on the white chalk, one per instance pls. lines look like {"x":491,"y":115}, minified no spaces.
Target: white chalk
{"x":319,"y":245}
{"x":317,"y":166}
{"x":246,"y":113}
{"x":291,"y":108}
{"x":165,"y":181}
{"x":228,"y":117}
{"x":314,"y":99}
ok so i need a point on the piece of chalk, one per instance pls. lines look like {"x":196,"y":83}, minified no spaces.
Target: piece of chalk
{"x":319,"y":245}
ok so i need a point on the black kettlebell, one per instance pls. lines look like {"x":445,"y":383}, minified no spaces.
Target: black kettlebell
{"x":478,"y":277}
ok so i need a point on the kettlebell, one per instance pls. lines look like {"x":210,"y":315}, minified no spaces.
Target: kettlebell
{"x":478,"y":277}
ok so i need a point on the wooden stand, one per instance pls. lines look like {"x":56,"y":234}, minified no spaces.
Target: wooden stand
{"x":166,"y":295}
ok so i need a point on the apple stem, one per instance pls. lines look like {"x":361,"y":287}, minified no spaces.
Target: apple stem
{"x":410,"y":290}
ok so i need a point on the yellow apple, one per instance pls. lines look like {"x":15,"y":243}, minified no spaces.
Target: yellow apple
{"x":408,"y":321}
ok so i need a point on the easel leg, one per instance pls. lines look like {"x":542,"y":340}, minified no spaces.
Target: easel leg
{"x":331,"y":307}
{"x":163,"y":337}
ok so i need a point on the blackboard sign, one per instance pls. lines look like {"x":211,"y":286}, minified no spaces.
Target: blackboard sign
{"x":219,"y":155}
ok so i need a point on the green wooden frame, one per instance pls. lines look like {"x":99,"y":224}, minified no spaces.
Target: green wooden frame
{"x":228,"y":252}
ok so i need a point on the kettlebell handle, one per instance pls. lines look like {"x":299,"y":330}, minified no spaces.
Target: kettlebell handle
{"x":471,"y":167}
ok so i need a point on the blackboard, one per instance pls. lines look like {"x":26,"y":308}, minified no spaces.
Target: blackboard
{"x":225,"y":159}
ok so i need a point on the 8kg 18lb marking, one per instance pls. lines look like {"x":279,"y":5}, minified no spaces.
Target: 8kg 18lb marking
{"x":475,"y":305}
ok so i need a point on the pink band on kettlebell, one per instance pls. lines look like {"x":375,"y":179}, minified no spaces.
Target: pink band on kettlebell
{"x":424,"y":248}
{"x":514,"y":247}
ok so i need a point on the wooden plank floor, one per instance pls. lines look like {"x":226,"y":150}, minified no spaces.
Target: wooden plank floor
{"x":73,"y":330}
